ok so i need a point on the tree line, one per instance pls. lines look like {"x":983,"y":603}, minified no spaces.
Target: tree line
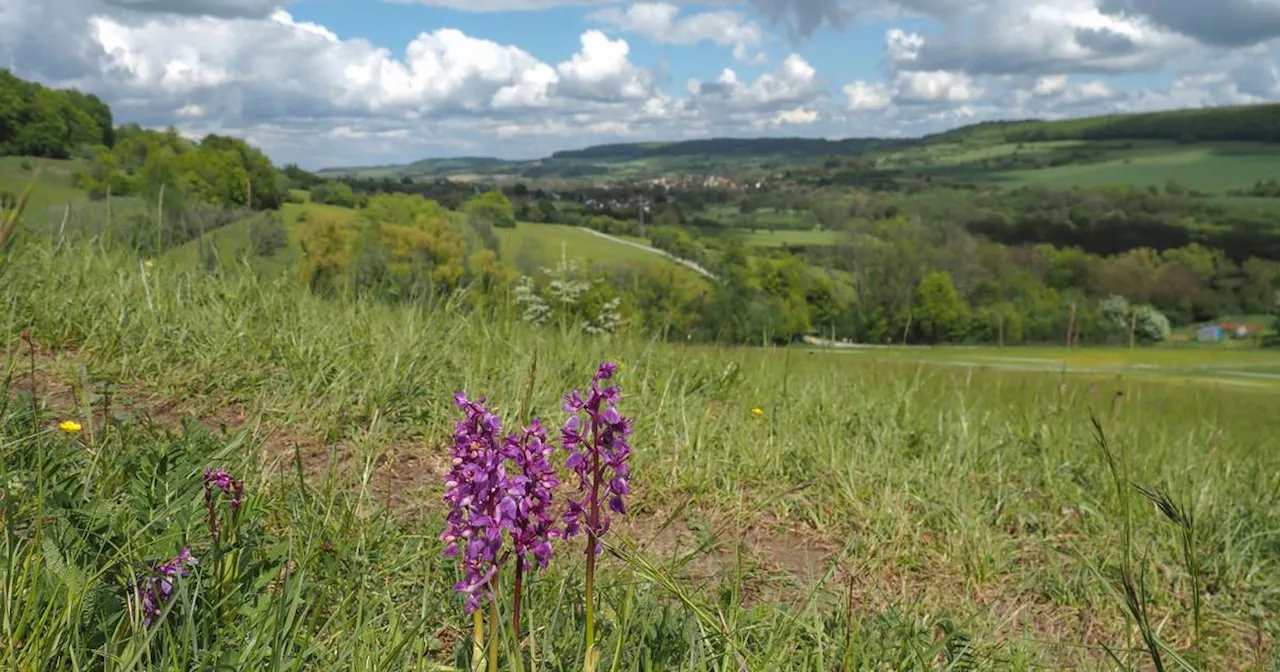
{"x":38,"y":121}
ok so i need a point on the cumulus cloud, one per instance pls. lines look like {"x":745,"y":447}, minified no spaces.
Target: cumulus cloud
{"x":661,"y":22}
{"x":602,"y":72}
{"x":861,"y":95}
{"x":795,"y":82}
{"x":797,"y":116}
{"x":935,"y":86}
{"x":249,"y":68}
{"x":802,"y":17}
{"x":281,"y":67}
{"x":1220,"y":23}
{"x":220,"y":8}
{"x":1038,"y":36}
{"x":502,"y":5}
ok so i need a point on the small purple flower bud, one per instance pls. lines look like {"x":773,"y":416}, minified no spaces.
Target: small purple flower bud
{"x":154,"y":591}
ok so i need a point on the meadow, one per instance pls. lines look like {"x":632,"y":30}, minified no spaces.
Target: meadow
{"x":527,"y":245}
{"x":791,"y":509}
{"x":1208,"y":167}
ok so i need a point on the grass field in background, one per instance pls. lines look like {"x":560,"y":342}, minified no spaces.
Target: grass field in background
{"x":54,"y":187}
{"x":536,"y":243}
{"x":881,"y":511}
{"x":1213,"y":168}
{"x":781,"y":237}
{"x":1214,"y":365}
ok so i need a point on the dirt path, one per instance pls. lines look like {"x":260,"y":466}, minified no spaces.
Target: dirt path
{"x":683,"y":262}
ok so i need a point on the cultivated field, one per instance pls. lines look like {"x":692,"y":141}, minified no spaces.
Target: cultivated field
{"x":790,"y":509}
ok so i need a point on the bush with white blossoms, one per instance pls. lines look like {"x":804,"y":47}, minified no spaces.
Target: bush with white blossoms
{"x":571,"y":297}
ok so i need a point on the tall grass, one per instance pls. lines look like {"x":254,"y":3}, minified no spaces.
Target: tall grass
{"x":877,"y":515}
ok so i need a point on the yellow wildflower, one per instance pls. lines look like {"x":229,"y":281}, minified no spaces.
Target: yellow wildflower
{"x":148,"y":263}
{"x":757,"y":412}
{"x":69,"y":426}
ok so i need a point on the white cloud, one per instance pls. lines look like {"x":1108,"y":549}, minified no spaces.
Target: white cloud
{"x":794,"y":82}
{"x":901,"y":46}
{"x":1221,"y":23}
{"x":248,"y":68}
{"x":1051,"y":85}
{"x":864,"y":96}
{"x":935,"y":86}
{"x":797,"y":116}
{"x":661,"y":22}
{"x":220,"y":8}
{"x":502,"y":5}
{"x":601,"y":71}
{"x":1031,"y":36}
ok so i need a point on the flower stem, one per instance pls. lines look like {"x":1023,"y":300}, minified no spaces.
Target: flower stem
{"x":477,"y":643}
{"x":591,"y":612}
{"x":493,"y":636}
{"x":593,"y":521}
{"x":515,"y":610}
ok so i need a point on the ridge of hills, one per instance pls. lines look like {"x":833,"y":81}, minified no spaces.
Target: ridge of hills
{"x":1253,"y":123}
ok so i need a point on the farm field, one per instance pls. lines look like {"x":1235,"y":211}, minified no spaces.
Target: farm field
{"x":795,"y":509}
{"x":1213,"y":365}
{"x":1214,"y":168}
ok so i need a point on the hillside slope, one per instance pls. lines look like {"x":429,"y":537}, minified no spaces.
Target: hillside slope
{"x":524,"y":248}
{"x":1254,"y":123}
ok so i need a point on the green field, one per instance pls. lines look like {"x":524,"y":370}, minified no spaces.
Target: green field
{"x":884,"y":509}
{"x":781,"y":237}
{"x":527,"y":244}
{"x":1212,"y":168}
{"x":53,"y":187}
{"x":1215,"y":365}
{"x":546,"y":242}
{"x":229,"y":241}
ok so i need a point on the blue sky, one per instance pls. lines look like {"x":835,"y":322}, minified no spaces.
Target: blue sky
{"x":325,"y":82}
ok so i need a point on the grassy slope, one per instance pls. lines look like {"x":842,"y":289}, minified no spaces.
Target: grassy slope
{"x":547,"y":241}
{"x":54,"y":188}
{"x":964,"y":499}
{"x":1213,"y":168}
{"x":1209,"y":167}
{"x":540,"y":242}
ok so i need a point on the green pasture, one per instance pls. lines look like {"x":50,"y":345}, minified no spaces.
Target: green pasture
{"x":1214,"y":365}
{"x":780,"y":237}
{"x":1212,"y":168}
{"x":526,"y":245}
{"x":53,"y":187}
{"x":791,"y":509}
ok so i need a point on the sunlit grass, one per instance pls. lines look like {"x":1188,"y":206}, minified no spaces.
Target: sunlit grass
{"x":878,"y":510}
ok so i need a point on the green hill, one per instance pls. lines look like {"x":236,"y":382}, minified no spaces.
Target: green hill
{"x":525,"y":247}
{"x":1250,"y":123}
{"x":1257,"y":123}
{"x":424,"y":168}
{"x":729,"y":147}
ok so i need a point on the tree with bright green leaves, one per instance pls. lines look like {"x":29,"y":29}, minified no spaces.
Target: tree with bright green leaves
{"x":1273,"y":339}
{"x":939,"y":313}
{"x":491,"y":207}
{"x":39,"y":121}
{"x":334,"y":193}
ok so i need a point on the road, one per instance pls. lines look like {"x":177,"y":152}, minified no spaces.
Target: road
{"x":683,"y":262}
